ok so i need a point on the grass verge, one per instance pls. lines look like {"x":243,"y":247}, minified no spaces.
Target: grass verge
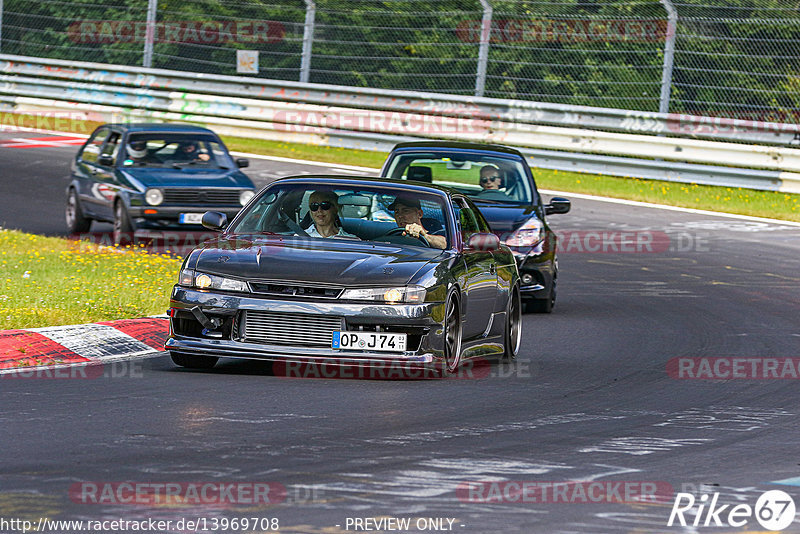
{"x":730,"y":200}
{"x":47,"y":281}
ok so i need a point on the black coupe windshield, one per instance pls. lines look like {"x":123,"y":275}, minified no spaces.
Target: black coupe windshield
{"x":350,"y":213}
{"x":482,"y":177}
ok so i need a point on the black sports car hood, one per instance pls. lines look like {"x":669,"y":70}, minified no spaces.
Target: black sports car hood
{"x":505,"y":219}
{"x":325,"y":261}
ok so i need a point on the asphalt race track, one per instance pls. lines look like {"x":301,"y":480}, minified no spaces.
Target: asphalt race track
{"x":594,"y":397}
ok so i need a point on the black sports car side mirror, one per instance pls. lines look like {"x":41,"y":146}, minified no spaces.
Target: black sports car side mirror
{"x":214,"y":220}
{"x":557,"y":205}
{"x":242,"y":162}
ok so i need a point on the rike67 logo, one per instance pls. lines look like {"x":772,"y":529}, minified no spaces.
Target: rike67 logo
{"x":774,"y":510}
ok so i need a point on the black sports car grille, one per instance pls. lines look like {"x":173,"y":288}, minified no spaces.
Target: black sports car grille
{"x":294,"y":290}
{"x":201,"y":196}
{"x":288,"y":328}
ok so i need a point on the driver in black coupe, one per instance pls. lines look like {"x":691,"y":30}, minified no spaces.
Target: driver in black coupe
{"x":408,"y":214}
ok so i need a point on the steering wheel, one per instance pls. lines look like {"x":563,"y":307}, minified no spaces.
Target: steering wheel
{"x":400,"y":231}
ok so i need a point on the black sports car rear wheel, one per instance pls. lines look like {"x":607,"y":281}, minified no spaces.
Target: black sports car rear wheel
{"x":513,"y":333}
{"x":193,"y":362}
{"x":452,"y":335}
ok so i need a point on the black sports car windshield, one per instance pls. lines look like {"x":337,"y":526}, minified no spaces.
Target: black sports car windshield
{"x":480,"y":176}
{"x":355,"y":213}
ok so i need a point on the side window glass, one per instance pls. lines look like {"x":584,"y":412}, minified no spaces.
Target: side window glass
{"x":92,"y":148}
{"x":111,"y":147}
{"x":467,"y":222}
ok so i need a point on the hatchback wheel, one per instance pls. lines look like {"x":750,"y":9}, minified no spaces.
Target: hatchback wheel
{"x":123,"y":228}
{"x":76,"y":222}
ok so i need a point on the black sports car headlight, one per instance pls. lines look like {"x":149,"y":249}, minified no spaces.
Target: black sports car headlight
{"x":190,"y":278}
{"x":528,"y":235}
{"x":390,"y":295}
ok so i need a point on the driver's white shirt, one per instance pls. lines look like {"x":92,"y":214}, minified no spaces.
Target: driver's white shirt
{"x":312,"y":232}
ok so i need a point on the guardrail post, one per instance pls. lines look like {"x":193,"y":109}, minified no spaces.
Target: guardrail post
{"x":1,"y":25}
{"x":669,"y":56}
{"x":483,"y":51}
{"x":308,"y":40}
{"x":150,"y":33}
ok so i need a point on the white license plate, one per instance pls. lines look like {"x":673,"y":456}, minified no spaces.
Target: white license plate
{"x":372,"y":341}
{"x":190,"y":218}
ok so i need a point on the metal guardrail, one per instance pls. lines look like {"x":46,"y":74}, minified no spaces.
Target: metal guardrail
{"x":376,"y":119}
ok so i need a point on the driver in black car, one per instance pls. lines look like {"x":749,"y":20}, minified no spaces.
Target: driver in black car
{"x":408,"y":214}
{"x":490,"y":178}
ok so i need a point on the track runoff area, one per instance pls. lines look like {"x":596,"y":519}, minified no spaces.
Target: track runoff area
{"x":659,"y":396}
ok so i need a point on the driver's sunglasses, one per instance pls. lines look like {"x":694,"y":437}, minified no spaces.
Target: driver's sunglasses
{"x":314,"y":206}
{"x":487,"y":179}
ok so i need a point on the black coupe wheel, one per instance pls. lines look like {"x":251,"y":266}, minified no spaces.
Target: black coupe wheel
{"x":76,"y":222}
{"x":123,"y":228}
{"x":452,"y":335}
{"x":543,"y":305}
{"x":193,"y":362}
{"x":513,"y":333}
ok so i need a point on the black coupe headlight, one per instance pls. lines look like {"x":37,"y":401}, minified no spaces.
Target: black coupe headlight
{"x":390,"y":295}
{"x":189,"y":278}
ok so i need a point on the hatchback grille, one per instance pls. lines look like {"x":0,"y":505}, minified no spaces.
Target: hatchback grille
{"x":289,"y":328}
{"x":201,"y":196}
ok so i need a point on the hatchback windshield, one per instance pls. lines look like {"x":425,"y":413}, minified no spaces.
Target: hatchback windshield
{"x":348,"y":212}
{"x":482,"y":177}
{"x":178,"y":150}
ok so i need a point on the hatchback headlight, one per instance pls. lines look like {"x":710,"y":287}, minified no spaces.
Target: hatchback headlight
{"x":154,"y":197}
{"x":189,"y":278}
{"x":391,"y":295}
{"x":245,"y":196}
{"x":528,"y":235}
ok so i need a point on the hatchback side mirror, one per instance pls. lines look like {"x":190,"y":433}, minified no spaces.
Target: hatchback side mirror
{"x":105,"y":160}
{"x":242,"y":162}
{"x":483,"y":241}
{"x":557,"y":205}
{"x":214,"y":220}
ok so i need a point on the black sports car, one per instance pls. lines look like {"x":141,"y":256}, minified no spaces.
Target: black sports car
{"x":350,"y":271}
{"x":153,"y":176}
{"x":501,"y":184}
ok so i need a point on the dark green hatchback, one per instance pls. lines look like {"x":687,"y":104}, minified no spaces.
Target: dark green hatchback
{"x":153,"y":176}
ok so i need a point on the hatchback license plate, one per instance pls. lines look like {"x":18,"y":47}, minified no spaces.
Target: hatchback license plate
{"x":190,"y":218}
{"x":373,"y":341}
